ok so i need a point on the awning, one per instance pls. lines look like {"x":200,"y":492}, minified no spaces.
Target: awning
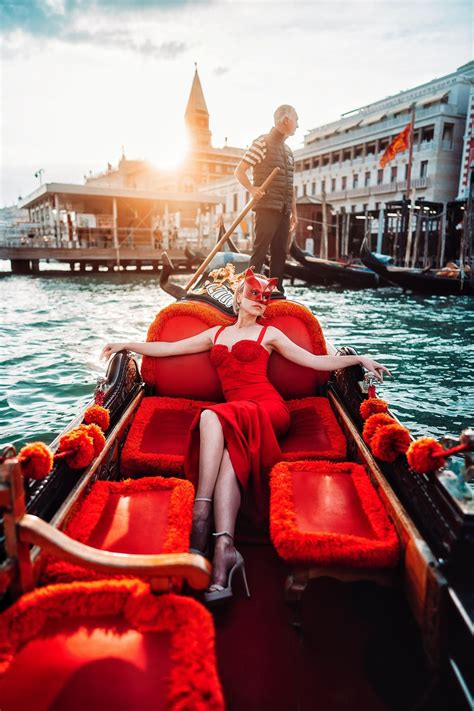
{"x":373,"y":118}
{"x":400,"y":108}
{"x":432,"y":98}
{"x":350,"y":123}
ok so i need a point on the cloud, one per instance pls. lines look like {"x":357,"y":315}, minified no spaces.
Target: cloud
{"x":219,"y":71}
{"x":53,"y":18}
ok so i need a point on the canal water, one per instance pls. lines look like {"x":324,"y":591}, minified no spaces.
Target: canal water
{"x":53,"y":329}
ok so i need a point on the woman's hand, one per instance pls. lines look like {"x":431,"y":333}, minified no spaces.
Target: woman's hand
{"x":111,"y":348}
{"x":373,"y":367}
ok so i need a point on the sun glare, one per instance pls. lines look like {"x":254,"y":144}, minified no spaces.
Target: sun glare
{"x":171,"y":151}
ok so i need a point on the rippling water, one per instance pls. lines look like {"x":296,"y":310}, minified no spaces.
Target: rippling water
{"x":53,"y":329}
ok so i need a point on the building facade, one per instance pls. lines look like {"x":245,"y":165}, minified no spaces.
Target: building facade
{"x":342,"y":157}
{"x":202,"y":164}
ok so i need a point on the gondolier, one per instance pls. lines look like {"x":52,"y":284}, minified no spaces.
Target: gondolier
{"x":275,"y":213}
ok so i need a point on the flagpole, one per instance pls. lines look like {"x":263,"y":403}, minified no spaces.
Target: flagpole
{"x":409,"y":192}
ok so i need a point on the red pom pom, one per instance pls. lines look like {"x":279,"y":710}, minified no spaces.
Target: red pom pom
{"x":373,"y":423}
{"x":389,"y":441}
{"x":97,"y":415}
{"x":420,"y":455}
{"x":97,"y":436}
{"x":81,"y":447}
{"x":372,"y":406}
{"x":36,"y":460}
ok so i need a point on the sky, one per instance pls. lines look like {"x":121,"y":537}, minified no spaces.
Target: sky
{"x":82,"y":78}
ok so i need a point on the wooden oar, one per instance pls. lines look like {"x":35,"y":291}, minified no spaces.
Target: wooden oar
{"x":231,"y":229}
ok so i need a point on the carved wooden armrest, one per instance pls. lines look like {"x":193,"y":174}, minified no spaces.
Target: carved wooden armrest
{"x":158,"y":568}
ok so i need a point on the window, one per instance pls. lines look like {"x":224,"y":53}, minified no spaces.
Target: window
{"x":377,"y":206}
{"x":448,"y":130}
{"x":355,"y":180}
{"x":406,"y":172}
{"x":343,"y":182}
{"x":333,"y":184}
{"x":323,"y":186}
{"x":316,"y":162}
{"x":304,"y":188}
{"x":346,"y":155}
{"x":313,"y":188}
{"x":380,"y":176}
{"x":365,"y":207}
{"x":393,"y":174}
{"x":370,"y":150}
{"x":325,"y":160}
{"x":358,"y":151}
{"x":367,"y":178}
{"x":427,"y":134}
{"x":423,"y":169}
{"x":343,"y":210}
{"x":307,"y":165}
{"x":353,"y":208}
{"x":235,"y":202}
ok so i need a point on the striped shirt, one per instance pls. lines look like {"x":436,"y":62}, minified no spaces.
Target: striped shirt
{"x":257,"y":152}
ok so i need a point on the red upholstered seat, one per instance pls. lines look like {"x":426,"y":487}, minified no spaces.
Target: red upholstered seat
{"x":194,"y":376}
{"x":314,"y":431}
{"x":156,"y":442}
{"x":146,"y":516}
{"x":107,"y":645}
{"x":329,"y":514}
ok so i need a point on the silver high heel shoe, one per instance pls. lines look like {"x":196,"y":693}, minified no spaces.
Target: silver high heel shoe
{"x":218,"y":593}
{"x":194,"y":548}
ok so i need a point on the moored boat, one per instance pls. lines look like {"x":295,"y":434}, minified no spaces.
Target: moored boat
{"x":423,"y":281}
{"x":350,"y":275}
{"x":360,"y":547}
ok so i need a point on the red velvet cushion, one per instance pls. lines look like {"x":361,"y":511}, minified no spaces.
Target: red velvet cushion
{"x":188,"y":376}
{"x":194,"y":376}
{"x":328,"y":513}
{"x":110,"y":645}
{"x":141,"y":516}
{"x":156,"y":442}
{"x":314,"y":431}
{"x":302,"y":327}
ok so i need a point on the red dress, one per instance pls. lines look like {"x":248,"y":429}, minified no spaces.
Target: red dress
{"x":252,"y":417}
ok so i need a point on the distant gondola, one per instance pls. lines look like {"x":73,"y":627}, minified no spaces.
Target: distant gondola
{"x":326,"y":272}
{"x":417,"y":280}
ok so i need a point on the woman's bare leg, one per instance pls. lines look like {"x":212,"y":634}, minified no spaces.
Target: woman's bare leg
{"x":227,"y":500}
{"x":210,"y":457}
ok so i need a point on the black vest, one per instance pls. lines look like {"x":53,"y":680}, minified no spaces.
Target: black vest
{"x":279,"y":194}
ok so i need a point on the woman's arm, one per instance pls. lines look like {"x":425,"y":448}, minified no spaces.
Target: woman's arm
{"x":287,"y":348}
{"x":160,"y":349}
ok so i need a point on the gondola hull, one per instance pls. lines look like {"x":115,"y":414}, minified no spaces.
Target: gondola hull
{"x":328,"y":273}
{"x":416,"y":280}
{"x":338,"y":621}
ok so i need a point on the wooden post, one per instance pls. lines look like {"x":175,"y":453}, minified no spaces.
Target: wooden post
{"x":336,"y":255}
{"x":410,"y":193}
{"x":441,"y":239}
{"x":323,"y":252}
{"x":380,"y":230}
{"x":57,"y":220}
{"x":419,"y":222}
{"x":115,"y":232}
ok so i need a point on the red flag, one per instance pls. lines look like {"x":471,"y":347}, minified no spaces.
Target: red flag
{"x":399,"y":144}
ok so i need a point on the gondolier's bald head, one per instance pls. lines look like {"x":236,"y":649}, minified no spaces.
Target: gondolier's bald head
{"x":286,"y":119}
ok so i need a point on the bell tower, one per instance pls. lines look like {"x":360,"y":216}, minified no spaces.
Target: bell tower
{"x":197,"y":116}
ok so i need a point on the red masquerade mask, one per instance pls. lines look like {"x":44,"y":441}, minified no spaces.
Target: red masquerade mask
{"x":257,"y":288}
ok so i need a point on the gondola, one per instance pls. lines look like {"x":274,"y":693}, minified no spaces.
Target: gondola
{"x":423,"y":281}
{"x":363,"y":567}
{"x":349,"y":275}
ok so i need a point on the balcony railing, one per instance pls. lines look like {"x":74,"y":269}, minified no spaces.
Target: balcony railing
{"x":398,"y":186}
{"x":383,"y":127}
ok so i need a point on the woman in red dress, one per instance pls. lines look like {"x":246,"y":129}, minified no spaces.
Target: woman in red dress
{"x":236,"y":442}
